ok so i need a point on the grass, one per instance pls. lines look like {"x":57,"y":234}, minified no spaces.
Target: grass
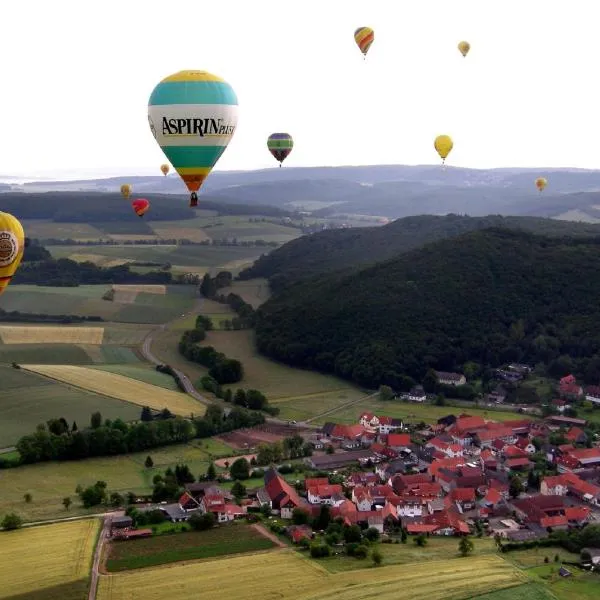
{"x":253,"y":291}
{"x":41,"y":228}
{"x":46,"y":353}
{"x":144,"y":373}
{"x":26,"y":400}
{"x":16,"y":334}
{"x":527,"y":591}
{"x":120,"y":387}
{"x":581,"y":585}
{"x":42,"y":558}
{"x":301,"y":408}
{"x":286,"y":575}
{"x":192,"y":545}
{"x":50,"y":482}
{"x":534,"y":557}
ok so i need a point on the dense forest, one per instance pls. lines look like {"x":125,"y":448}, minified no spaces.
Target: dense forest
{"x":488,"y":297}
{"x":348,"y":248}
{"x":96,"y":207}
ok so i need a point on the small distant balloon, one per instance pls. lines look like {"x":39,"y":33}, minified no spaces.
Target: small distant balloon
{"x":443,"y":144}
{"x":12,"y":246}
{"x":541,"y":183}
{"x":165,"y":169}
{"x":364,"y":37}
{"x":140,"y":206}
{"x":126,"y":190}
{"x":280,"y":145}
{"x":464,"y":47}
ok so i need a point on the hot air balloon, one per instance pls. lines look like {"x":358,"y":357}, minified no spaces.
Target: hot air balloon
{"x":364,"y":37}
{"x":443,"y":144}
{"x":126,"y":190}
{"x":12,"y":246}
{"x":140,"y":206}
{"x":280,"y":145}
{"x":464,"y":47}
{"x":165,"y":169}
{"x":193,"y":116}
{"x":541,"y":183}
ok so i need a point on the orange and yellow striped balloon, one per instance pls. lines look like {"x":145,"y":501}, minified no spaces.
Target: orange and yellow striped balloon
{"x":364,"y":37}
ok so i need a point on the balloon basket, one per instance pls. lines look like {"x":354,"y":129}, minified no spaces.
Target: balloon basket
{"x":193,"y":200}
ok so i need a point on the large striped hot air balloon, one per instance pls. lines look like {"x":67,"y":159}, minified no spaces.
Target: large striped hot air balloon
{"x":140,"y":206}
{"x":280,"y":145}
{"x":12,"y":245}
{"x":193,"y":116}
{"x":364,"y":37}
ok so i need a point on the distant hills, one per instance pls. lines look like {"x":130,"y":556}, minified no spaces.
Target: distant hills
{"x":486,"y":297}
{"x":384,"y":190}
{"x":337,"y":249}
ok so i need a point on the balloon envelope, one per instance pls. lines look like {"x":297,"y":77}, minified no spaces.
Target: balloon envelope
{"x":126,"y":190}
{"x":541,"y":183}
{"x":140,"y":206}
{"x":12,"y":245}
{"x":165,"y":169}
{"x":443,"y":144}
{"x":280,"y":145}
{"x":464,"y":48}
{"x":364,"y":37}
{"x":193,"y":116}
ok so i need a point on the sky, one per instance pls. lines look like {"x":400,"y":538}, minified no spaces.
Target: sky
{"x":76,"y":77}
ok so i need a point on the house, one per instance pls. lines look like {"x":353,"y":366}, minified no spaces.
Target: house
{"x":484,"y":438}
{"x":388,"y":424}
{"x":325,"y":494}
{"x":554,"y":486}
{"x":526,"y":445}
{"x":363,"y":479}
{"x":569,"y":388}
{"x":369,"y":420}
{"x":297,"y":533}
{"x":463,"y":498}
{"x":576,"y":435}
{"x":417,"y":394}
{"x":560,"y":404}
{"x":215,"y":502}
{"x":517,"y":464}
{"x":594,"y":554}
{"x":498,"y":396}
{"x":535,"y":508}
{"x":398,"y":440}
{"x":573,"y":484}
{"x":451,"y":378}
{"x":578,"y":459}
{"x":283,"y":496}
{"x":329,"y":462}
{"x":592,"y":394}
{"x":514,"y":452}
{"x":565,"y":421}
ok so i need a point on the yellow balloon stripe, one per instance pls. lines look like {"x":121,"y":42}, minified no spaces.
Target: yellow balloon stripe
{"x":192,"y":76}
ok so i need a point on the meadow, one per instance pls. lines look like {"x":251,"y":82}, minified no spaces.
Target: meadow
{"x":86,"y":300}
{"x":142,"y":372}
{"x":527,"y":591}
{"x":253,"y":291}
{"x":49,"y":483}
{"x":26,"y":400}
{"x":120,"y":387}
{"x":51,"y":562}
{"x":235,"y":538}
{"x":287,"y":575}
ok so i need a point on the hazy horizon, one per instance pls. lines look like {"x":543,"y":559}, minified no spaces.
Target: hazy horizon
{"x":524,"y":97}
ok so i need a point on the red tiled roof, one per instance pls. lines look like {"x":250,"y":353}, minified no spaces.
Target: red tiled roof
{"x":577,"y":513}
{"x":413,"y":528}
{"x":325,"y":491}
{"x":558,"y":521}
{"x":280,"y":490}
{"x":517,"y":462}
{"x":463,"y":495}
{"x":574,"y":434}
{"x":522,"y":443}
{"x":514,"y":452}
{"x":348,"y":431}
{"x":493,"y":496}
{"x":385,"y":420}
{"x":465,"y":424}
{"x":398,"y":439}
{"x":567,"y":379}
{"x":315,"y":481}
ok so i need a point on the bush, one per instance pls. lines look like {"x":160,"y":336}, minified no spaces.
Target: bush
{"x":377,"y":557}
{"x":318,"y":550}
{"x":202,"y":522}
{"x":11,"y":521}
{"x":361,"y":552}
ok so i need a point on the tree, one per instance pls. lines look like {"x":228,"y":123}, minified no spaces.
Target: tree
{"x":240,"y":469}
{"x":74,"y":427}
{"x":299,"y":516}
{"x":420,"y":540}
{"x":211,"y":472}
{"x":352,"y":534}
{"x":238,"y":490}
{"x":386,"y":392}
{"x":323,"y":518}
{"x":11,"y":521}
{"x":330,"y":449}
{"x":148,"y":463}
{"x":377,"y":557}
{"x":28,"y":498}
{"x":146,"y":414}
{"x":430,"y":381}
{"x":515,"y":487}
{"x":116,"y":499}
{"x":96,"y":420}
{"x":465,"y":546}
{"x":67,"y":502}
{"x":93,"y":495}
{"x":183,"y":474}
{"x":202,"y":522}
{"x":372,"y":534}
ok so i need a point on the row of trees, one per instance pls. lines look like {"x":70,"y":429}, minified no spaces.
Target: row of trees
{"x":250,"y":399}
{"x":158,"y":242}
{"x":209,"y":289}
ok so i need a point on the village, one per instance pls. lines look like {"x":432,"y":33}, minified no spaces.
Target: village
{"x":518,"y":481}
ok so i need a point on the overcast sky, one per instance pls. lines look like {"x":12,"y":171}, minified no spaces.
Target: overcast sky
{"x":76,"y":77}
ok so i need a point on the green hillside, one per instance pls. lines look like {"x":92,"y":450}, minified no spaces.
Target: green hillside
{"x":488,"y":296}
{"x":348,"y":248}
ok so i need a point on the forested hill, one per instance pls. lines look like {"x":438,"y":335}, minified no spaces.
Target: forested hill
{"x":488,"y":296}
{"x":346,"y":248}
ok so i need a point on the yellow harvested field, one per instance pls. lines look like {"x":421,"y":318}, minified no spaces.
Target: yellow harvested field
{"x":99,"y":259}
{"x":286,"y":575}
{"x":146,"y":289}
{"x":37,"y":558}
{"x":120,"y":387}
{"x":12,"y":334}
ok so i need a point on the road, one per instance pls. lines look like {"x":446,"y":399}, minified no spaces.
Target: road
{"x":108,"y":517}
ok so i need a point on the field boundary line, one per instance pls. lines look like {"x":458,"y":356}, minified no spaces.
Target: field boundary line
{"x":341,"y":407}
{"x":283,"y":399}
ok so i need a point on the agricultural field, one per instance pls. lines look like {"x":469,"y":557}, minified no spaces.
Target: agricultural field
{"x":17,"y":334}
{"x":192,"y":545}
{"x":120,"y":387}
{"x":43,"y":229}
{"x":26,"y":400}
{"x":141,"y":372}
{"x":527,"y":591}
{"x":301,"y":408}
{"x":51,"y":562}
{"x":87,"y":300}
{"x":253,"y":291}
{"x":49,"y":483}
{"x":287,"y":575}
{"x":582,"y":585}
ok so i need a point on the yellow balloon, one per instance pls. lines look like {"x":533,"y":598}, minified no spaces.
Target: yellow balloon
{"x":464,"y":47}
{"x":541,"y":183}
{"x":443,"y":144}
{"x":12,"y":245}
{"x":165,"y":169}
{"x":126,"y":190}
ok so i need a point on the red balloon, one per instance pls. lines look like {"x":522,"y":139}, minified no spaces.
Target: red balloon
{"x":140,"y":206}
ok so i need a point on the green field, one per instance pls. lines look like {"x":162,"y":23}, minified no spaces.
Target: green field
{"x":144,"y":373}
{"x":528,"y":591}
{"x":26,"y":400}
{"x":253,"y":291}
{"x":86,"y":300}
{"x":234,"y":538}
{"x":49,"y":483}
{"x":42,"y":229}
